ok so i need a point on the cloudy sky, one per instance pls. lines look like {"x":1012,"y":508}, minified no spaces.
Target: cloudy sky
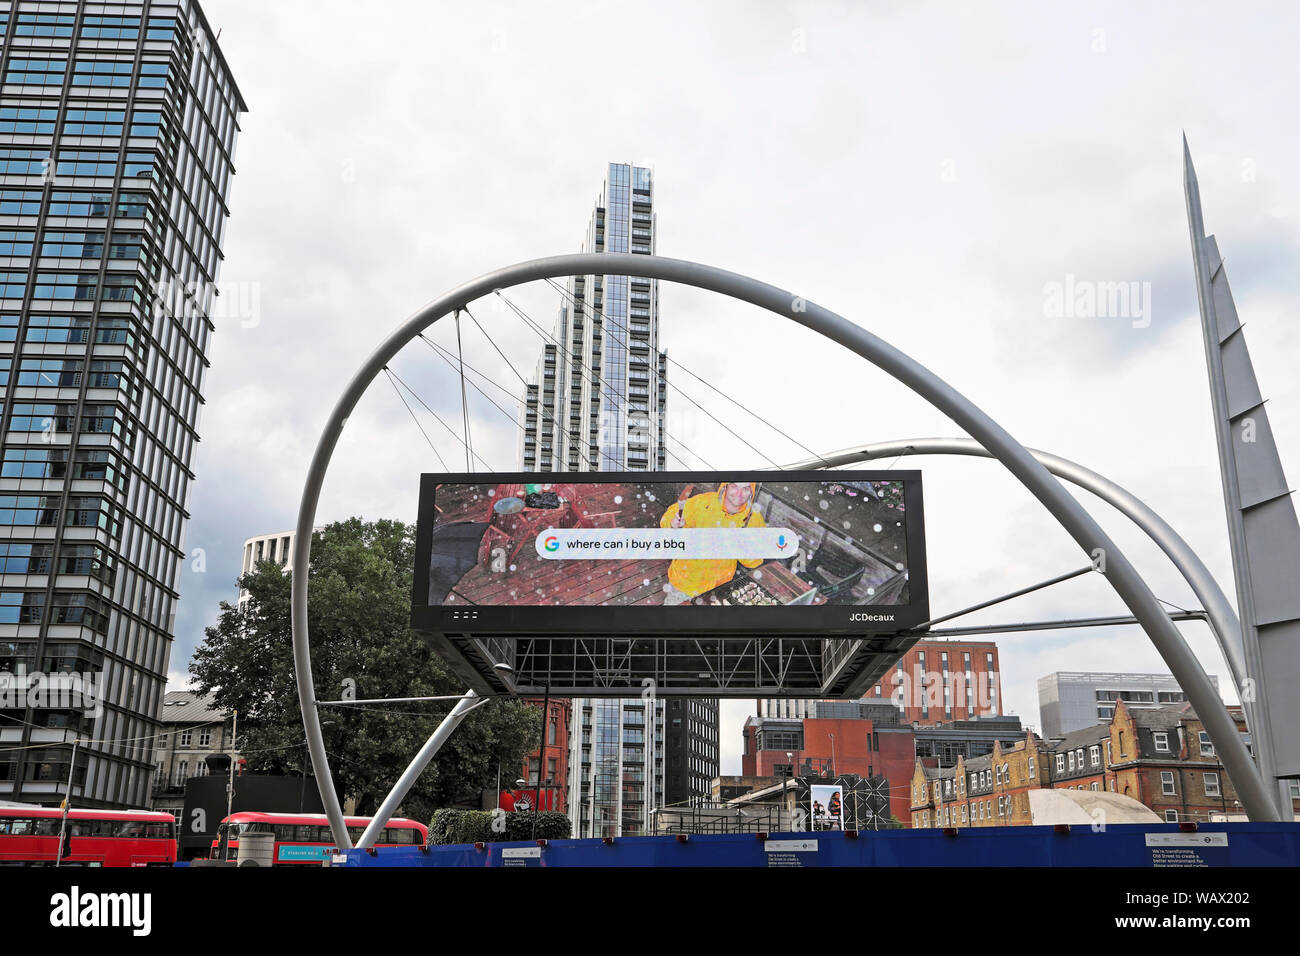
{"x":930,"y":171}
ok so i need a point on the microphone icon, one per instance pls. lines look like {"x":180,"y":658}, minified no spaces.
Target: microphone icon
{"x":780,"y":542}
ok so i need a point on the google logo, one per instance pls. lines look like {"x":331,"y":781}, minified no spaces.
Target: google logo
{"x":552,"y":543}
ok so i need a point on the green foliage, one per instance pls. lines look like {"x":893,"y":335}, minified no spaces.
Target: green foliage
{"x":451,"y":825}
{"x":360,"y":600}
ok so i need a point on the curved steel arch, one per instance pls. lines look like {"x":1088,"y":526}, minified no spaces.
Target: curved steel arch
{"x":1121,"y":574}
{"x":1222,"y":618}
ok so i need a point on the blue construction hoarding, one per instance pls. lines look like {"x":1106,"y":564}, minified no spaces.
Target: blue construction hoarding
{"x":1126,"y":845}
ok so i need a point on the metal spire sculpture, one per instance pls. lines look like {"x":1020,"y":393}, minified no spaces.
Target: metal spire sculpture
{"x":1263,"y":531}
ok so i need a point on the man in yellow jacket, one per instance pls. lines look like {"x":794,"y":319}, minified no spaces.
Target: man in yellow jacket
{"x":731,"y":506}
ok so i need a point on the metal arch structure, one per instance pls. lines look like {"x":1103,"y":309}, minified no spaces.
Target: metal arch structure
{"x":1087,"y":533}
{"x":1219,"y":612}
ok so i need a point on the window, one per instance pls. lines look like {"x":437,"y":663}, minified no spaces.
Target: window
{"x":1167,"y":783}
{"x":1161,"y":741}
{"x":153,"y":75}
{"x":1071,"y":758}
{"x":205,"y":738}
{"x":114,"y":73}
{"x":27,"y":119}
{"x":21,"y":607}
{"x":1207,"y":745}
{"x":19,"y":202}
{"x":1094,"y":755}
{"x":72,"y":245}
{"x":80,"y":162}
{"x":110,"y":28}
{"x":64,"y":285}
{"x":24,"y":162}
{"x":1212,"y":785}
{"x":36,"y":72}
{"x":160,"y":28}
{"x":147,"y":123}
{"x":93,"y":123}
{"x":44,"y":25}
{"x":1171,"y":816}
{"x":185,"y":736}
{"x":16,"y":242}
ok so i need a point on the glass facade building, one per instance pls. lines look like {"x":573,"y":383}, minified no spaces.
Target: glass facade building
{"x":598,"y":397}
{"x":597,"y":404}
{"x":117,"y":134}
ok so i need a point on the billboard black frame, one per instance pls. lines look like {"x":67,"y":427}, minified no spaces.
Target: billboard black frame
{"x":538,"y":620}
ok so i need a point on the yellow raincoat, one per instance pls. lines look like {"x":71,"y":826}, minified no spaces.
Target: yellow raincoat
{"x":694,"y":577}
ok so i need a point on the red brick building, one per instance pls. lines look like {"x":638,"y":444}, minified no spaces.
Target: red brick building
{"x":1163,"y":758}
{"x":992,"y":790}
{"x":829,"y":746}
{"x":939,"y":681}
{"x":555,"y":768}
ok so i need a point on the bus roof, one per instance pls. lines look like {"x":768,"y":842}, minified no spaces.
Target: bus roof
{"x":257,"y":816}
{"x":88,"y":813}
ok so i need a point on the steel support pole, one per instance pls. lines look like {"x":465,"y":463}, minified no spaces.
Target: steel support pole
{"x":1087,"y":533}
{"x":1262,"y":730}
{"x":412,"y":772}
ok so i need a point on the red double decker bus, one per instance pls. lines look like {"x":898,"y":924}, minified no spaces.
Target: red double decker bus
{"x":305,"y":838}
{"x":29,"y":836}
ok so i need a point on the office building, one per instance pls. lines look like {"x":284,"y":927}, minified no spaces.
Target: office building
{"x":1072,"y":700}
{"x":277,"y":548}
{"x":598,"y":397}
{"x":117,"y":132}
{"x":836,"y":738}
{"x":935,"y":682}
{"x":597,"y":404}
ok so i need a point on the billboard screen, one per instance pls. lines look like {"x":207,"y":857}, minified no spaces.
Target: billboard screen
{"x":603,"y":552}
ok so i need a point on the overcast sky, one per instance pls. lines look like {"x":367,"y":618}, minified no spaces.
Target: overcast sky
{"x":927,"y":170}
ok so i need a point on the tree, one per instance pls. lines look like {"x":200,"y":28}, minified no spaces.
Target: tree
{"x":360,"y":603}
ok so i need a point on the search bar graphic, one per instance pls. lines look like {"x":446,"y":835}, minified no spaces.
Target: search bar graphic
{"x":666,"y":544}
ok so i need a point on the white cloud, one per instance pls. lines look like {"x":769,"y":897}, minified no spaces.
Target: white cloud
{"x":923,"y":169}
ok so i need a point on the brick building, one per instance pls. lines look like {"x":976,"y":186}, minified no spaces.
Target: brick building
{"x":555,"y":769}
{"x":1165,"y":759}
{"x":966,"y":738}
{"x":990,"y":790}
{"x":1081,"y":760}
{"x":192,"y":730}
{"x":834,"y":743}
{"x":1162,"y":758}
{"x":938,"y":681}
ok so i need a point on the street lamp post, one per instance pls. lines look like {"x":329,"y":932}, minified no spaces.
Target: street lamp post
{"x":789,"y":772}
{"x":67,"y":803}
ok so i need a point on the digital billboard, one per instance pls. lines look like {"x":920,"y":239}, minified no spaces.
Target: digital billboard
{"x":838,"y":553}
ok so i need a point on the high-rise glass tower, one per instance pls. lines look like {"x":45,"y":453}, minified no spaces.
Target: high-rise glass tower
{"x":598,"y":402}
{"x":598,"y":405}
{"x":117,"y":133}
